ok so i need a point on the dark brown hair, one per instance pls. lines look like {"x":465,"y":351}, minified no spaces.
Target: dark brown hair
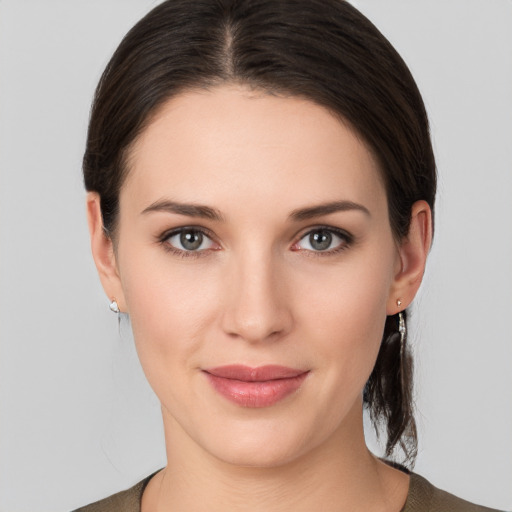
{"x":322,"y":50}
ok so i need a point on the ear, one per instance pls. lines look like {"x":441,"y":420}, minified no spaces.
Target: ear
{"x":103,"y":252}
{"x":413,"y":251}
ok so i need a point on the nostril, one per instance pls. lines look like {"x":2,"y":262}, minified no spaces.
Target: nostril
{"x":267,"y":326}
{"x":257,"y":308}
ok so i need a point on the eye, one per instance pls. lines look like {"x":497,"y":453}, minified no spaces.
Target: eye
{"x":189,"y":240}
{"x":323,"y":240}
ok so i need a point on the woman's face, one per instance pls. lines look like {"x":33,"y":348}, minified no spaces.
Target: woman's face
{"x":254,"y":232}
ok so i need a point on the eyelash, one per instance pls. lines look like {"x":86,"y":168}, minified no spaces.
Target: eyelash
{"x":181,"y":253}
{"x":347,"y":239}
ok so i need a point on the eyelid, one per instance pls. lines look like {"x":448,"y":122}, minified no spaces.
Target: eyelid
{"x":164,"y":237}
{"x":341,"y":233}
{"x":174,"y":231}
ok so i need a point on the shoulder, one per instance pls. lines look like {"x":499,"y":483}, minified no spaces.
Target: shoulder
{"x":424,"y":497}
{"x":124,"y":501}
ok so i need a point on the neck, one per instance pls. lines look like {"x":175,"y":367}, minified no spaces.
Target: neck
{"x":338,"y":475}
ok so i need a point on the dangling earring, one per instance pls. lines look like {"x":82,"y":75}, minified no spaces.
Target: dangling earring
{"x":401,"y":326}
{"x":403,"y":332}
{"x":401,"y":329}
{"x":114,"y":306}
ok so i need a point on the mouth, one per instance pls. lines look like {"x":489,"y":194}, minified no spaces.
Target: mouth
{"x":255,"y":387}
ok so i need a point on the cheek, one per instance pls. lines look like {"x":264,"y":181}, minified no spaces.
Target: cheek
{"x":339,"y":310}
{"x":346,"y":312}
{"x":170,"y":307}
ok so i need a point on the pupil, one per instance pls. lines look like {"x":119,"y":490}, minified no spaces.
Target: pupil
{"x":191,"y":240}
{"x":320,"y":240}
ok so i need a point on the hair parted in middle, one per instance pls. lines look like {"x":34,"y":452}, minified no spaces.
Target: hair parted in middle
{"x":325,"y":51}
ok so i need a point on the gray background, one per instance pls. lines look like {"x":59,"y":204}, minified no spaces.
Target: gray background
{"x":77,"y":420}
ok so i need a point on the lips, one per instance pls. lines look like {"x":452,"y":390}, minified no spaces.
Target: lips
{"x":255,"y":387}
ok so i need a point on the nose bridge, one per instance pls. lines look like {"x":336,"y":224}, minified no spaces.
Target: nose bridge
{"x":257,"y":308}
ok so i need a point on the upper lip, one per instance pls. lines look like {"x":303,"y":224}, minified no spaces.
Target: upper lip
{"x":258,"y":374}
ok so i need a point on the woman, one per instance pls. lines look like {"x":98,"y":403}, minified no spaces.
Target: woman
{"x":261,"y":187}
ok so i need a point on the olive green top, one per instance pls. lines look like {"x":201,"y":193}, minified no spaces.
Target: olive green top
{"x":422,"y":497}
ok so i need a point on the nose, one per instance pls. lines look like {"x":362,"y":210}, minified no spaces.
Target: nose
{"x":257,"y":308}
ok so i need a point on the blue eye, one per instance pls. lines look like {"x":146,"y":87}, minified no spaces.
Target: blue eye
{"x":323,"y":240}
{"x":189,"y":240}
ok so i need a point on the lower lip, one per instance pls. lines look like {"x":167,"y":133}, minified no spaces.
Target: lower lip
{"x":256,"y":394}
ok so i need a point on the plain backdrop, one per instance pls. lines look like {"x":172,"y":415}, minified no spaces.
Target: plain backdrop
{"x":77,"y":420}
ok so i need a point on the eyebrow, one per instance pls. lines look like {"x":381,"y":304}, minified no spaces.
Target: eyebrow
{"x":189,"y":210}
{"x":326,"y":209}
{"x":206,"y":212}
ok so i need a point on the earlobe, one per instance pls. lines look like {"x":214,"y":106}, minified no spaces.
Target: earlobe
{"x":413,"y":252}
{"x":103,"y":251}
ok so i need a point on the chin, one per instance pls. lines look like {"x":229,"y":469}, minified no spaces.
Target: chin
{"x":268,"y":443}
{"x":260,"y":455}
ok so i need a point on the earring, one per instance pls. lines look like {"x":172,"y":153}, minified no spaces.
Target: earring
{"x":402,"y":331}
{"x":114,"y":306}
{"x":401,"y":324}
{"x":401,"y":328}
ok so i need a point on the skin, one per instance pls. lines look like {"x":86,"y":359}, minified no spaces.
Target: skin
{"x":257,"y":292}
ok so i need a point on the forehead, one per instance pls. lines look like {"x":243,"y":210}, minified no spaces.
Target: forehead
{"x":231,"y":142}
